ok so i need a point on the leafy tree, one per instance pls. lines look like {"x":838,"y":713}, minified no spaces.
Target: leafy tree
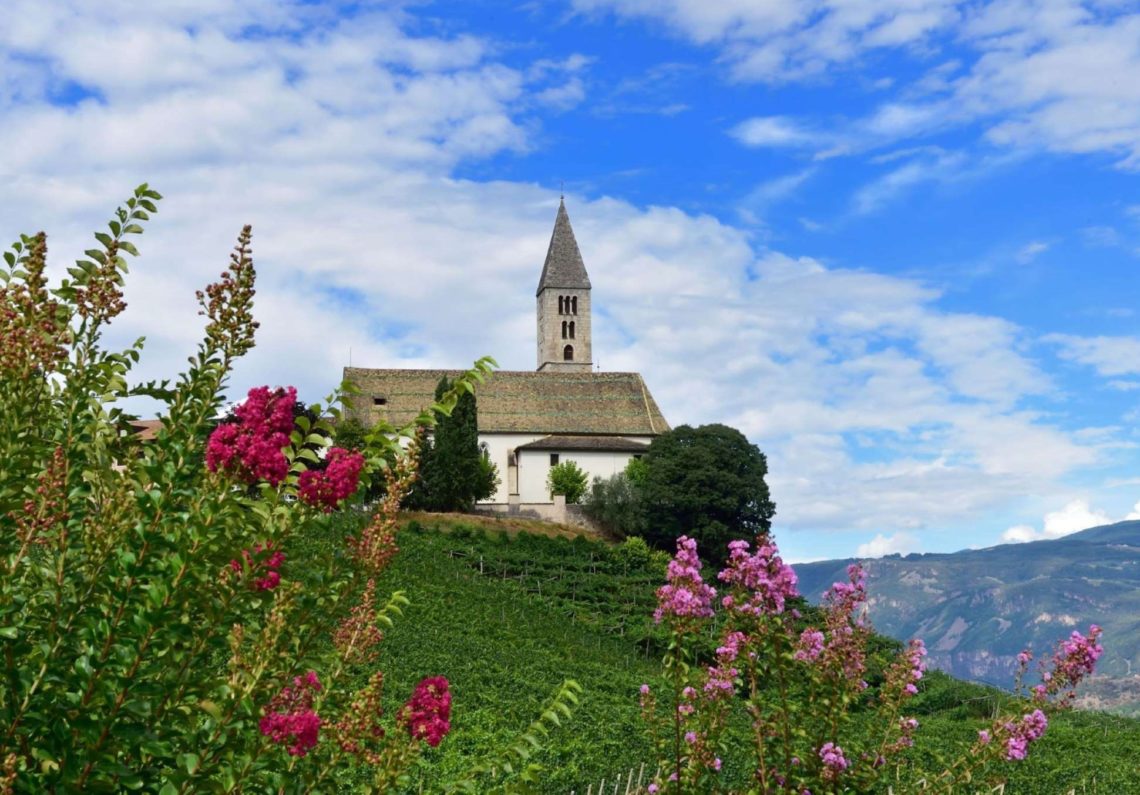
{"x":454,"y":472}
{"x":567,"y":479}
{"x":706,"y":483}
{"x":616,"y":503}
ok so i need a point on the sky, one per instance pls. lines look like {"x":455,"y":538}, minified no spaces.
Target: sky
{"x":895,"y":242}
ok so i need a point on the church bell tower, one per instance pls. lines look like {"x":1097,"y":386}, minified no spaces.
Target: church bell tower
{"x":564,"y":303}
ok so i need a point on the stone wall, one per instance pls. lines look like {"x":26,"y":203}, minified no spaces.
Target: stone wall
{"x":557,"y":511}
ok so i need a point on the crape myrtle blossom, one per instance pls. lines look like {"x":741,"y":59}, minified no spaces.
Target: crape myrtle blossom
{"x":833,"y":760}
{"x":1019,"y":735}
{"x":327,"y":488}
{"x":427,"y":715}
{"x":768,"y":581}
{"x":809,"y":646}
{"x":262,"y":563}
{"x":250,"y":447}
{"x":685,"y":595}
{"x":289,"y":717}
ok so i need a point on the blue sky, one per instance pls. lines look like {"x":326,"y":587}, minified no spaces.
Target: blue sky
{"x":896,"y":242}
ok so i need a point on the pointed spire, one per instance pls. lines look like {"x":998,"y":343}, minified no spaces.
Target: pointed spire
{"x":563,"y":268}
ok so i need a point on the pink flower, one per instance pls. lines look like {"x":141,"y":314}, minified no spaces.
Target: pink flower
{"x":289,"y":717}
{"x":984,"y":737}
{"x":250,"y":447}
{"x":768,"y":581}
{"x":1019,"y":735}
{"x":427,"y":714}
{"x":810,"y":645}
{"x":338,"y":481}
{"x":834,"y":762}
{"x":685,"y":595}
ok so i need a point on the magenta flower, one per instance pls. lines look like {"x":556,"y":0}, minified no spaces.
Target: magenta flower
{"x":250,"y":447}
{"x":338,"y":481}
{"x":427,"y":715}
{"x":289,"y":717}
{"x":262,"y":564}
{"x":685,"y":595}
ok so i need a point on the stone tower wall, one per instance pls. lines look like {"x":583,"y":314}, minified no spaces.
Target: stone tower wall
{"x":550,"y":342}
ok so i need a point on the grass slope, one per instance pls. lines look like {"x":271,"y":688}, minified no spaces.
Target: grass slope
{"x":507,"y":617}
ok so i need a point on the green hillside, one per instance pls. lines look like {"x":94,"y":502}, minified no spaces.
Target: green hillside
{"x":976,"y":609}
{"x":507,"y":618}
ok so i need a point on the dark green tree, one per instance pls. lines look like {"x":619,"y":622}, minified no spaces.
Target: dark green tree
{"x":616,"y":503}
{"x":454,"y":472}
{"x":706,"y":483}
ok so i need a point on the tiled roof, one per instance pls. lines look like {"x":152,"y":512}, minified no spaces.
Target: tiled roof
{"x":145,"y":430}
{"x":599,"y":443}
{"x":614,"y":404}
{"x":563,"y":267}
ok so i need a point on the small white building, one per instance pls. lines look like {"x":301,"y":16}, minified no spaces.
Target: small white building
{"x":530,"y":421}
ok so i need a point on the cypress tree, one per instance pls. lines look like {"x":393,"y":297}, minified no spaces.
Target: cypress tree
{"x":453,"y":473}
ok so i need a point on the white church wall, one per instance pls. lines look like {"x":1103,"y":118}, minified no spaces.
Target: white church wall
{"x":499,"y":446}
{"x":534,"y":466}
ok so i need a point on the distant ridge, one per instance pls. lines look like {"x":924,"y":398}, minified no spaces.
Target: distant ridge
{"x":977,"y":608}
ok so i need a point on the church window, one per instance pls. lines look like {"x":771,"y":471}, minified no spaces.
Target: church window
{"x":554,"y":459}
{"x":574,"y":305}
{"x":568,"y":353}
{"x":571,"y":329}
{"x":563,"y":329}
{"x":379,"y":400}
{"x":561,"y":305}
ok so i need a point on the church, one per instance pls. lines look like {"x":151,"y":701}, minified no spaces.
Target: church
{"x":531,"y":421}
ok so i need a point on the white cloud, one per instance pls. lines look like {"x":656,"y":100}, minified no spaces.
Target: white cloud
{"x":901,"y":543}
{"x":1134,"y":514}
{"x":1074,"y":516}
{"x":338,"y":141}
{"x":780,"y":40}
{"x":774,"y":132}
{"x":1110,"y":356}
{"x":1031,"y":251}
{"x":1032,"y":72}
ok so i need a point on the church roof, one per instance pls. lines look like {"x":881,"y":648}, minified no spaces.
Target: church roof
{"x":606,"y":444}
{"x":582,"y":404}
{"x":563,"y":268}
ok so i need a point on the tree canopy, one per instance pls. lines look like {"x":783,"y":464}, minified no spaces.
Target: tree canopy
{"x":706,"y":483}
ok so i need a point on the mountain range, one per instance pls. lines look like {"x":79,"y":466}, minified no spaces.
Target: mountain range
{"x":977,"y":608}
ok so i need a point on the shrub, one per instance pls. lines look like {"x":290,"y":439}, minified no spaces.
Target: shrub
{"x":152,"y":623}
{"x":567,"y":479}
{"x":766,"y":662}
{"x":615,"y":503}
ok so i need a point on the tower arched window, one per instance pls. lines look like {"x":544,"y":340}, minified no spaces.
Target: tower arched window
{"x":568,"y":353}
{"x":574,"y":305}
{"x":563,"y":329}
{"x":561,"y":305}
{"x":571,"y":329}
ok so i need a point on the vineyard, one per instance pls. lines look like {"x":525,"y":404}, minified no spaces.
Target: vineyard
{"x":508,"y":616}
